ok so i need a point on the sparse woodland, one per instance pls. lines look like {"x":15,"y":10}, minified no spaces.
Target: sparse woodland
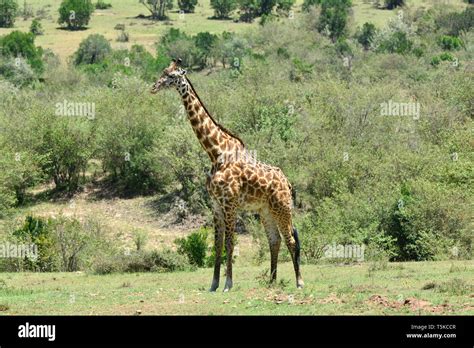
{"x":304,"y":88}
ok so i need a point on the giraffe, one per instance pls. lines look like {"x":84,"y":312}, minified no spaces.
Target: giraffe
{"x":236,"y":181}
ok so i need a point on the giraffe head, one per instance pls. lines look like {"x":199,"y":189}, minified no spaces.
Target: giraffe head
{"x":173,"y":76}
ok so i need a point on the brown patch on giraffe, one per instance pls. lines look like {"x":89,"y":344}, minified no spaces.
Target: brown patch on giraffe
{"x":194,"y":120}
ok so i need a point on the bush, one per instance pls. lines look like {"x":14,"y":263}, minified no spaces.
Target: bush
{"x":62,"y":244}
{"x":194,"y":247}
{"x":366,"y":35}
{"x":223,"y":8}
{"x":205,"y":42}
{"x":36,"y":28}
{"x":283,"y":7}
{"x":455,"y":23}
{"x":150,"y":261}
{"x":18,"y":44}
{"x":123,"y":36}
{"x":92,"y":50}
{"x":75,"y":13}
{"x":333,"y":17}
{"x":37,"y":232}
{"x":187,"y":6}
{"x":17,"y":71}
{"x":307,"y":4}
{"x":102,"y":5}
{"x":8,"y":12}
{"x":398,"y":42}
{"x":391,"y":4}
{"x":65,"y":144}
{"x":450,"y":43}
{"x":126,"y":143}
{"x":20,"y":171}
{"x":249,"y":10}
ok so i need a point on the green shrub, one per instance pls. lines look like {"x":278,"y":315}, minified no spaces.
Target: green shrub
{"x":150,"y":261}
{"x":194,"y":247}
{"x":20,"y":171}
{"x":455,"y":23}
{"x":309,"y":3}
{"x":8,"y":12}
{"x":187,"y":6}
{"x":17,"y":71}
{"x":92,"y":50}
{"x":333,"y":18}
{"x":18,"y":44}
{"x":205,"y":42}
{"x":66,"y":146}
{"x":36,"y":28}
{"x":283,"y":7}
{"x":450,"y":43}
{"x":223,"y":8}
{"x":249,"y":10}
{"x":75,"y":13}
{"x":38,"y":232}
{"x":102,"y":5}
{"x":398,"y":42}
{"x":366,"y":35}
{"x":391,"y":4}
{"x":126,"y":143}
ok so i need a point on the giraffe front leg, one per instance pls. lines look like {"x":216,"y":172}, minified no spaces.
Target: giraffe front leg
{"x":229,"y":243}
{"x":218,"y":245}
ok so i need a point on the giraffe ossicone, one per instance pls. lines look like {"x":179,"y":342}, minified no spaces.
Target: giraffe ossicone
{"x":237,"y":181}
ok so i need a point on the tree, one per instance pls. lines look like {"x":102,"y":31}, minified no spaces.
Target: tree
{"x":187,"y":6}
{"x":365,"y":35}
{"x":75,"y":13}
{"x":333,"y":18}
{"x":223,"y":8}
{"x":157,"y":8}
{"x":8,"y":12}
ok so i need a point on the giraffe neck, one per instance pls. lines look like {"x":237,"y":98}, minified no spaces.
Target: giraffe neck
{"x":218,"y":144}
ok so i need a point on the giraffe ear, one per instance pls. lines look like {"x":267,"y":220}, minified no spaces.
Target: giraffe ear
{"x":183,"y":72}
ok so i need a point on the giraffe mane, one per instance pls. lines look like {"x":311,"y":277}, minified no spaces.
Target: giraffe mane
{"x":221,"y":127}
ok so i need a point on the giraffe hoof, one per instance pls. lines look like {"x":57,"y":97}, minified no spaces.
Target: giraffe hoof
{"x":300,"y":284}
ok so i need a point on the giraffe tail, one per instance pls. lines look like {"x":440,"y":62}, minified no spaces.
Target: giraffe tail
{"x":297,"y":245}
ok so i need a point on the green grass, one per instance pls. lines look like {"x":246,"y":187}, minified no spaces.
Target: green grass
{"x":330,"y":289}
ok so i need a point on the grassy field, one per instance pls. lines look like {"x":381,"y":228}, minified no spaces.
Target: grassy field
{"x":146,"y":32}
{"x":371,"y":288}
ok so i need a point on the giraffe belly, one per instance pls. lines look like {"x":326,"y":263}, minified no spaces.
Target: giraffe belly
{"x":252,"y":206}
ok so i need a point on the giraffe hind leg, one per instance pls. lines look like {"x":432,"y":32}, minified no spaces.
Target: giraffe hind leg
{"x":290,"y":234}
{"x":274,"y":241}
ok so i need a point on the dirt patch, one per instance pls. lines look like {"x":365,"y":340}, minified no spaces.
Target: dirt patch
{"x":290,"y":299}
{"x":332,"y":298}
{"x":411,"y":303}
